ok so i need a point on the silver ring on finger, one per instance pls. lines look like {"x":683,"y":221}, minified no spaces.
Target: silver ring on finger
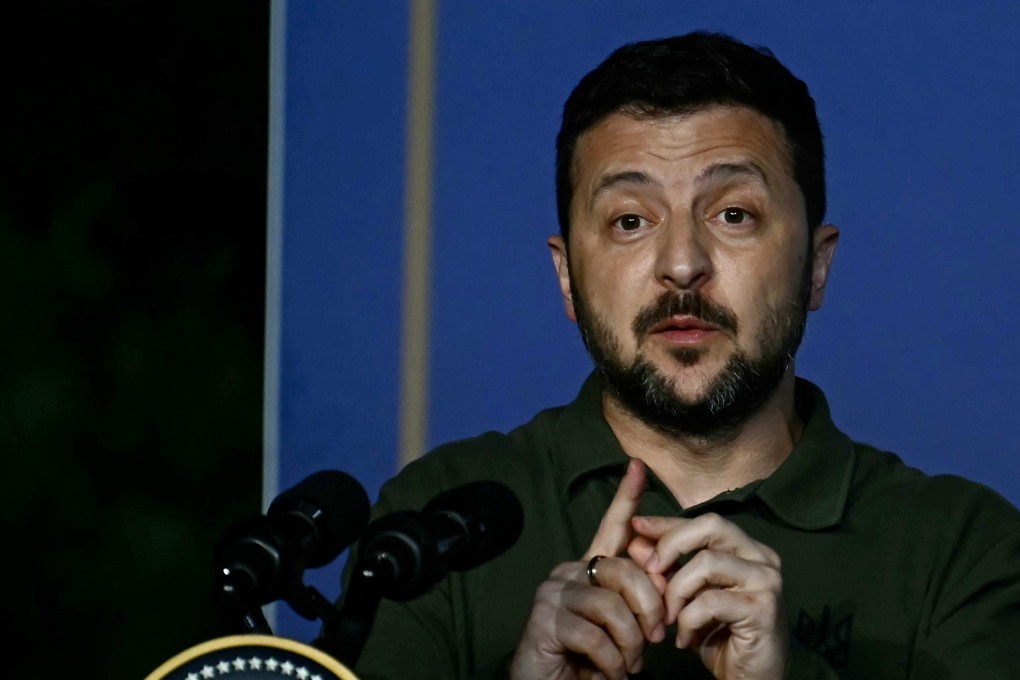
{"x":593,"y":570}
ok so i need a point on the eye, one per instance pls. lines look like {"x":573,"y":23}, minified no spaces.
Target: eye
{"x":734,"y":216}
{"x":629,"y":222}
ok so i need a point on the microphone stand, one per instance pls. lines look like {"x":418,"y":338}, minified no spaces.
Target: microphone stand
{"x":235,"y":599}
{"x":237,"y":602}
{"x":346,"y":629}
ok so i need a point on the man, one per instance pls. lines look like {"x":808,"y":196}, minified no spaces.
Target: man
{"x":695,"y":513}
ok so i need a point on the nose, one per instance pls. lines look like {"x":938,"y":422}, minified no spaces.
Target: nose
{"x":683,"y":262}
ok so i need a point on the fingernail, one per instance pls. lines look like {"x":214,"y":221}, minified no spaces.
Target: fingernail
{"x":681,"y":640}
{"x":653,"y":562}
{"x":636,"y":666}
{"x":659,"y":634}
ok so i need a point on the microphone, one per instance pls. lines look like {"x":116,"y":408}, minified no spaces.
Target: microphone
{"x":402,"y":555}
{"x":406,"y":553}
{"x":261,"y":558}
{"x":332,"y":508}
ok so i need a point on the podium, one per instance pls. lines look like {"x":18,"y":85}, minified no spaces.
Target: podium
{"x":251,"y":657}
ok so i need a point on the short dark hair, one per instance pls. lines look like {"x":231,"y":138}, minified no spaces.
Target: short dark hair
{"x":684,"y":74}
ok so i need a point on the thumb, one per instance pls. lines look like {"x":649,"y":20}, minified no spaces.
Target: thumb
{"x":614,"y":531}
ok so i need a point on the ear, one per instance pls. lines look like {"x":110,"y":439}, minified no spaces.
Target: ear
{"x":823,"y":247}
{"x":558,"y":249}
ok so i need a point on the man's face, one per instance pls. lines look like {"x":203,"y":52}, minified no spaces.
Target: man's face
{"x":691,"y":268}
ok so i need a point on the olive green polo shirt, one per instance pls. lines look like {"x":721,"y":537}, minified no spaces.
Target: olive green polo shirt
{"x":887,"y":572}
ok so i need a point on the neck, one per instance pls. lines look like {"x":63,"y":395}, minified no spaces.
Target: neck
{"x":698,"y":468}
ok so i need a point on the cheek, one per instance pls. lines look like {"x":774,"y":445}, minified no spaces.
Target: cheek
{"x":606,"y":299}
{"x":613,"y":286}
{"x":752,"y":289}
{"x":779,"y":268}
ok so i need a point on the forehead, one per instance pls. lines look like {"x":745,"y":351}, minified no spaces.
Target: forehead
{"x":679,"y":147}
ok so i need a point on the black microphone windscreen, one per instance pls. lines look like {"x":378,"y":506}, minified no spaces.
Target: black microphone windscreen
{"x":491,"y":515}
{"x":336,"y":503}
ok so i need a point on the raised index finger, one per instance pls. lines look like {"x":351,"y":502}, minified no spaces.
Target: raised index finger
{"x":614,"y":531}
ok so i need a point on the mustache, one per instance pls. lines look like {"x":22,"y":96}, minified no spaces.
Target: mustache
{"x":690,"y":303}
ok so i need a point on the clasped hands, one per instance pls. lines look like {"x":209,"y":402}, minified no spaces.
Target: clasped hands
{"x":726,"y":599}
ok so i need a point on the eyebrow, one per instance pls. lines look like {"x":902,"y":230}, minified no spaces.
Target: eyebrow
{"x":721,"y":172}
{"x":632,"y":177}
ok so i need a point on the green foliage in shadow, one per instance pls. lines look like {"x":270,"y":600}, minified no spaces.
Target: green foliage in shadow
{"x":132,"y":236}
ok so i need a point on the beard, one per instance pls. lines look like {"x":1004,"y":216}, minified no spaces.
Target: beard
{"x":736,"y":393}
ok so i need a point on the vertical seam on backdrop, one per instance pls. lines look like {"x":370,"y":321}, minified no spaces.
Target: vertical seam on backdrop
{"x":274,"y":261}
{"x":414,"y":370}
{"x":274,"y":252}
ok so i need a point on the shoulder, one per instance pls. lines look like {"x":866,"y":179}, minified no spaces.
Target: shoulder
{"x":509,"y":458}
{"x":880,"y":471}
{"x":943,"y":504}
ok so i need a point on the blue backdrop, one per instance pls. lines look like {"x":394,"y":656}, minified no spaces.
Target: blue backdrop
{"x":916,"y":346}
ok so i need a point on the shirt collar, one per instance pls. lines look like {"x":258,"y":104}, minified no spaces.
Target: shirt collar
{"x":808,"y":491}
{"x":584,"y":443}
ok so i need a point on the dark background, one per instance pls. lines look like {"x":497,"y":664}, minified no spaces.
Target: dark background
{"x":132,"y":238}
